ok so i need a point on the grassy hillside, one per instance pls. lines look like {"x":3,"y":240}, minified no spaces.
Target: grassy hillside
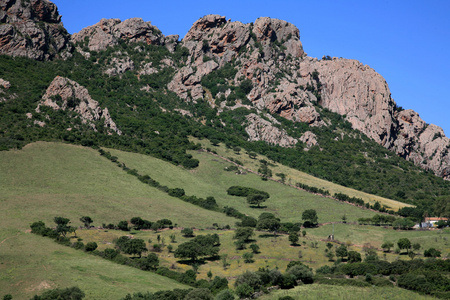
{"x":319,"y":292}
{"x":45,"y":180}
{"x":30,"y":264}
{"x":295,"y":176}
{"x":210,"y":179}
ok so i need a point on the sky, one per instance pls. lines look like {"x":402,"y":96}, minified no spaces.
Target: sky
{"x":407,"y":42}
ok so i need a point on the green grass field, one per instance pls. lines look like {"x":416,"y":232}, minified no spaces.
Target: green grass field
{"x":210,"y":179}
{"x":322,"y":291}
{"x":45,"y":180}
{"x":294,"y":176}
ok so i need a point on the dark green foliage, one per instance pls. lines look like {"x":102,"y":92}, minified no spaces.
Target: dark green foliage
{"x":341,"y":251}
{"x":62,"y":226}
{"x":242,"y":191}
{"x":268,"y":221}
{"x":354,"y":256}
{"x":225,"y":295}
{"x":293,"y":238}
{"x":243,"y":233}
{"x":187,"y":232}
{"x":73,"y":293}
{"x":244,"y":290}
{"x":87,"y":221}
{"x":247,"y":221}
{"x":200,"y":246}
{"x":310,"y":218}
{"x":432,"y":252}
{"x":301,"y":272}
{"x":91,"y":246}
{"x":123,"y":225}
{"x":404,"y":243}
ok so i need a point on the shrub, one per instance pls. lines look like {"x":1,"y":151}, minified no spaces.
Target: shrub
{"x":91,"y":246}
{"x":187,"y":232}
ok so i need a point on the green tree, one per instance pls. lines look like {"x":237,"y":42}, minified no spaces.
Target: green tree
{"x":187,"y":232}
{"x":270,"y":224}
{"x":387,"y":246}
{"x":134,"y":247}
{"x":91,"y":246}
{"x":123,"y":225}
{"x":62,"y":226}
{"x":310,"y":218}
{"x":341,"y":251}
{"x":301,"y":272}
{"x":354,"y":256}
{"x":403,"y":223}
{"x":257,"y":198}
{"x":432,"y":252}
{"x":87,"y":221}
{"x":191,"y":250}
{"x":404,"y":243}
{"x":150,"y":262}
{"x":255,"y":248}
{"x":293,"y":238}
{"x":248,"y":257}
{"x":243,"y":233}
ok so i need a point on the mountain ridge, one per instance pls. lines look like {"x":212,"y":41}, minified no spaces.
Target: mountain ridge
{"x":257,"y":71}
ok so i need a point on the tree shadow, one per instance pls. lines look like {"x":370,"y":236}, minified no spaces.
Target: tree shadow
{"x":258,"y":207}
{"x":268,"y":235}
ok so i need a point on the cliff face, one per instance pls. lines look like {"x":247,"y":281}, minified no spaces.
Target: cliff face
{"x":32,"y":29}
{"x":270,"y":54}
{"x":269,"y":60}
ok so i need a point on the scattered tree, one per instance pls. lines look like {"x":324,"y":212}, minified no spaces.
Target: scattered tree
{"x":404,"y":243}
{"x":341,"y":251}
{"x":293,"y":238}
{"x":187,"y":232}
{"x":87,"y":221}
{"x":387,"y":246}
{"x":309,"y":217}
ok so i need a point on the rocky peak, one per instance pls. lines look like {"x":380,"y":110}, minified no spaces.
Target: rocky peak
{"x":269,"y":30}
{"x":66,"y":94}
{"x":33,"y":29}
{"x":108,"y":33}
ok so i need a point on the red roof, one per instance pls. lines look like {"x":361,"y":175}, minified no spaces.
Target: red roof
{"x":432,"y":219}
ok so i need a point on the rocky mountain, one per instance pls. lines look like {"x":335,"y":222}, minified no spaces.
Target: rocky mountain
{"x":270,"y":75}
{"x":32,"y":28}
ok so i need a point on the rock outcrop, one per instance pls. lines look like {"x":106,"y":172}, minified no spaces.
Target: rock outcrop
{"x":288,"y":83}
{"x":4,"y":87}
{"x":109,"y":32}
{"x":32,"y":29}
{"x":259,"y":129}
{"x":66,"y":94}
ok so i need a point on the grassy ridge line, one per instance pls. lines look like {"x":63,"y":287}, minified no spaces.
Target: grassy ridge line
{"x":293,"y":176}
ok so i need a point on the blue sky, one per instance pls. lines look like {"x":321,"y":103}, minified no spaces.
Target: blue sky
{"x":407,"y":42}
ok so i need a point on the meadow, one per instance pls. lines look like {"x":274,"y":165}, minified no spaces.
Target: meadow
{"x":45,"y":180}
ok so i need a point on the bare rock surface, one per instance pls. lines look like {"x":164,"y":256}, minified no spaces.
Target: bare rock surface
{"x":66,"y":94}
{"x":108,"y":33}
{"x":259,"y":129}
{"x":32,"y":29}
{"x":309,"y":139}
